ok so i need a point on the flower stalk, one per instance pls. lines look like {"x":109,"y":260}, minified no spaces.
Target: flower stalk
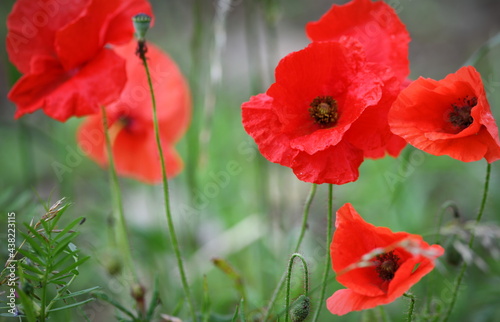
{"x":327,"y":260}
{"x":411,"y":307}
{"x":141,"y":52}
{"x":471,"y":242}
{"x":289,"y":275}
{"x":121,"y":233}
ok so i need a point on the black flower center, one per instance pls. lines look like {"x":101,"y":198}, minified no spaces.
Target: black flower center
{"x":324,"y":111}
{"x":460,"y":116}
{"x":125,"y":122}
{"x":387,"y":265}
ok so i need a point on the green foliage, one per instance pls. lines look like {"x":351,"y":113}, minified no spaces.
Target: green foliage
{"x":47,"y":265}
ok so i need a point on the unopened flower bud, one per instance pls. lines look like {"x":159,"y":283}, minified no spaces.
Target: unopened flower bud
{"x":299,"y":309}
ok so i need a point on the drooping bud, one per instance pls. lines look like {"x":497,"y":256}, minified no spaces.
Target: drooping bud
{"x":299,"y":309}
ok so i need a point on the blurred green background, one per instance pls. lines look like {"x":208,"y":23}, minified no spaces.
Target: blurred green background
{"x":251,"y":217}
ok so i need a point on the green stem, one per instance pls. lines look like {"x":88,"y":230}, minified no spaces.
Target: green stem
{"x":327,"y":260}
{"x":121,"y":234}
{"x":305,"y":215}
{"x":471,"y":241}
{"x":278,"y":289}
{"x":289,"y":275}
{"x":171,"y":228}
{"x":412,"y":306}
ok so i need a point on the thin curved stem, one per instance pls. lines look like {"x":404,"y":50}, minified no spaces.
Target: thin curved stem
{"x":171,"y":228}
{"x":279,"y":287}
{"x":305,"y":215}
{"x":122,"y":232}
{"x":471,"y":241}
{"x":327,"y":260}
{"x":289,"y":275}
{"x":411,"y":307}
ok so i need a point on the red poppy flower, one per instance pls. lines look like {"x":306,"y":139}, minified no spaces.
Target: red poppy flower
{"x":374,"y":24}
{"x":448,"y":117}
{"x":62,"y":50}
{"x":130,"y":119}
{"x":376,"y":265}
{"x":385,"y":41}
{"x":307,"y":119}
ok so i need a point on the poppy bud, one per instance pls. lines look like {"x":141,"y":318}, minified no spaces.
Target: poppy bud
{"x":300,"y":309}
{"x":141,"y":25}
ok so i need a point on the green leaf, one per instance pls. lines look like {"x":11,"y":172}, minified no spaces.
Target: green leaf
{"x":64,"y":243}
{"x":154,"y":301}
{"x":68,"y":228}
{"x":235,"y":316}
{"x":106,"y":298}
{"x":34,"y":278}
{"x":72,"y":305}
{"x":69,"y":268}
{"x":34,"y":241}
{"x":27,"y":304}
{"x":78,"y":293}
{"x":30,"y":268}
{"x":32,"y":257}
{"x":62,"y":260}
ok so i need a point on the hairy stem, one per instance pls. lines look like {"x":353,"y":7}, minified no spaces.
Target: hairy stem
{"x":289,"y":275}
{"x":411,"y":307}
{"x":121,"y":234}
{"x":171,"y":228}
{"x":327,"y":247}
{"x":471,"y":241}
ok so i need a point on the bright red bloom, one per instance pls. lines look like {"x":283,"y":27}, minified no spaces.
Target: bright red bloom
{"x":385,"y":41}
{"x":374,"y":24}
{"x":376,"y":265}
{"x":63,"y":52}
{"x":130,"y":118}
{"x":312,"y":118}
{"x":448,"y":117}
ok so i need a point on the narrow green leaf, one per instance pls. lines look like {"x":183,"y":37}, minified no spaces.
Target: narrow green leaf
{"x":72,"y":305}
{"x":27,"y":304}
{"x":68,"y":228}
{"x":154,"y":301}
{"x":30,"y":268}
{"x":70,"y":267}
{"x":106,"y":298}
{"x":46,"y":227}
{"x":62,"y":260}
{"x":34,"y":241}
{"x":235,"y":315}
{"x":31,"y":256}
{"x":33,"y":278}
{"x":64,"y":243}
{"x":78,"y":293}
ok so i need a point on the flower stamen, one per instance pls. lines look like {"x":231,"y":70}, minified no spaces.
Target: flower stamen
{"x":387,"y":265}
{"x":460,"y":117}
{"x":324,"y":111}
